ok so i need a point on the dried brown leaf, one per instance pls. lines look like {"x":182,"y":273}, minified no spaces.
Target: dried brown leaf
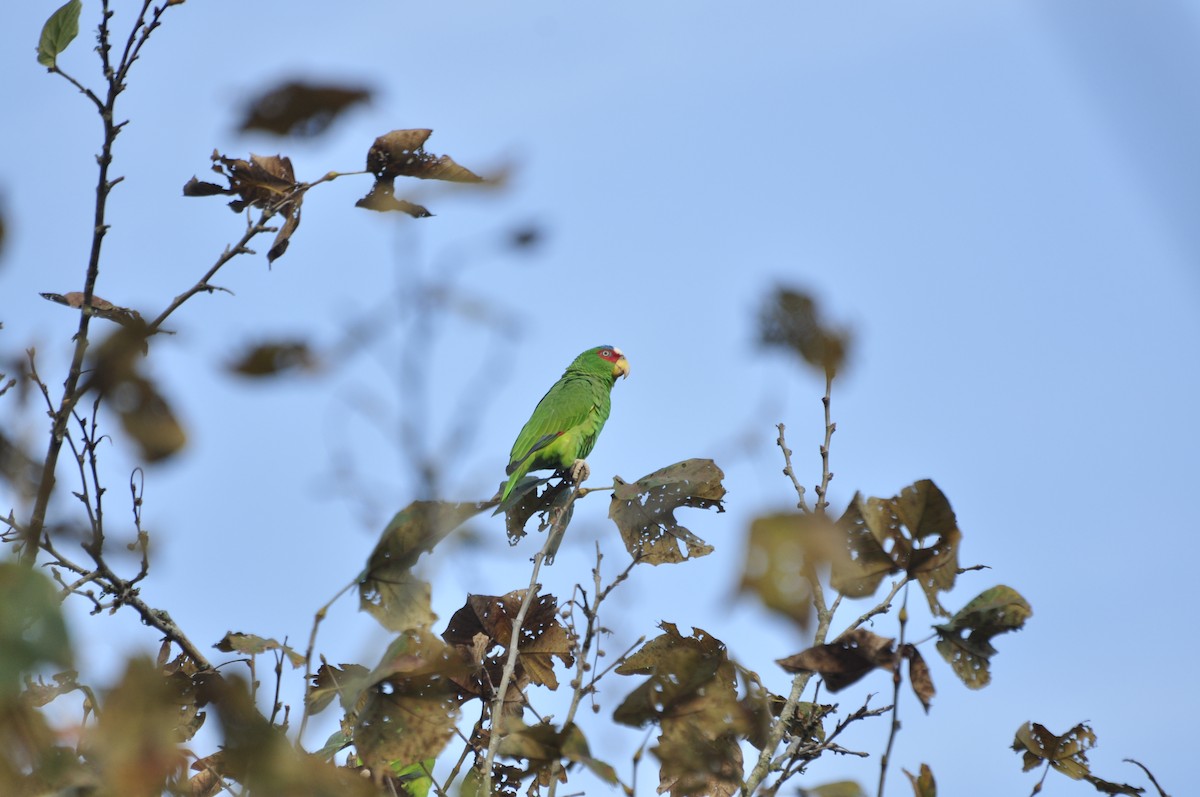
{"x":918,"y":675}
{"x":411,"y":711}
{"x":790,"y":320}
{"x":845,"y":660}
{"x":269,"y":359}
{"x":301,"y":109}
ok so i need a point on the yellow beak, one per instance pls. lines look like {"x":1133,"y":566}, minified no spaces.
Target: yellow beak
{"x":621,"y":368}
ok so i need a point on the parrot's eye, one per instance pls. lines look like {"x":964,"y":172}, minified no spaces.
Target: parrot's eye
{"x":606,"y":353}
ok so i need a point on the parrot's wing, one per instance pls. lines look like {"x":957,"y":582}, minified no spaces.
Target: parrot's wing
{"x":570,"y":403}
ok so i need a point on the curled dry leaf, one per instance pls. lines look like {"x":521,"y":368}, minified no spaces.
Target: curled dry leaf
{"x":401,"y":153}
{"x":543,"y":746}
{"x":101,"y":308}
{"x":145,"y":414}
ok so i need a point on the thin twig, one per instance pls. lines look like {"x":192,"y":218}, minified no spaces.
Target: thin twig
{"x":71,"y":394}
{"x":896,"y":679}
{"x":308,"y":654}
{"x":510,"y":666}
{"x":790,"y":471}
{"x":830,"y":428}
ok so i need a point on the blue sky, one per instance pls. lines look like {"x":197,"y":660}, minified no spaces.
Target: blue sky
{"x":998,"y":198}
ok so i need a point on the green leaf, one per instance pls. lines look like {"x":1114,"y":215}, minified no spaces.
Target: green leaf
{"x":58,"y":32}
{"x":32,"y":632}
{"x":994,"y":611}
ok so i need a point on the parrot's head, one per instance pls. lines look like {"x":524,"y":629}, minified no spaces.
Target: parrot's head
{"x":610,"y":357}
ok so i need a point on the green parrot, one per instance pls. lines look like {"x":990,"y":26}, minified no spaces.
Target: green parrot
{"x":566,"y":422}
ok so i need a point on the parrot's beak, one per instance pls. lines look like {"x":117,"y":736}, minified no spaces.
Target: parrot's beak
{"x":621,"y":368}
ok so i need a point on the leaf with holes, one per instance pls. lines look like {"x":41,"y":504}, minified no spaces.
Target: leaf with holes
{"x":845,"y":660}
{"x":645,"y":510}
{"x":411,"y":709}
{"x":888,"y":535}
{"x":965,"y":641}
{"x":1066,"y":754}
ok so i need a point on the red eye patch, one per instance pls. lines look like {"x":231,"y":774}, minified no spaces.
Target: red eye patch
{"x":610,"y":353}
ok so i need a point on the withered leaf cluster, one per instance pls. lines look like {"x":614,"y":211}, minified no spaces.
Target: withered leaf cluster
{"x":482,"y":632}
{"x":691,"y":694}
{"x":914,"y":532}
{"x":1066,"y":754}
{"x":266,"y":182}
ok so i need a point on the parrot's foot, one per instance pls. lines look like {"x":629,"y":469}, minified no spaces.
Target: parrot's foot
{"x":580,"y":471}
